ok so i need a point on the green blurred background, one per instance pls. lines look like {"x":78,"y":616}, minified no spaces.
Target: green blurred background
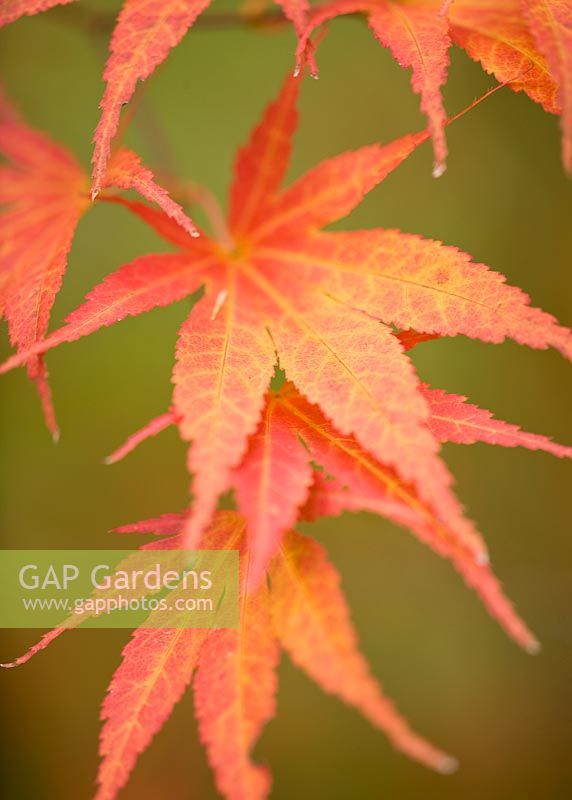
{"x":504,"y":199}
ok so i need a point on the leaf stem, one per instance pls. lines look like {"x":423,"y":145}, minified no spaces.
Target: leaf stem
{"x":198,"y":194}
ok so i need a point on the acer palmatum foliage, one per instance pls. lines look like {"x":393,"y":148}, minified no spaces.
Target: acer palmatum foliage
{"x":44,"y":193}
{"x":298,"y":465}
{"x":526,"y":44}
{"x":302,"y":611}
{"x":347,"y":433}
{"x":320,"y":304}
{"x":145,"y":32}
{"x":352,"y":428}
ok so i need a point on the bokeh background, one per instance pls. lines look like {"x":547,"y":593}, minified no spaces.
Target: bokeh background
{"x":504,"y":199}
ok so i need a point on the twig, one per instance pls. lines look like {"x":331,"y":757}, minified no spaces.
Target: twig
{"x":101,"y":22}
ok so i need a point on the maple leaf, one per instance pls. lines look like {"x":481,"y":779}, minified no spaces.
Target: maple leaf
{"x":525,"y":43}
{"x":321,"y":304}
{"x":297,"y":464}
{"x":233,"y":671}
{"x":44,"y":193}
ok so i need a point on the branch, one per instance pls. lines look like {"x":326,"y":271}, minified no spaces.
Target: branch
{"x":101,"y":22}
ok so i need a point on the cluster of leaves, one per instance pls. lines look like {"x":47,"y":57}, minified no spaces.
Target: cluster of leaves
{"x":302,"y":610}
{"x":526,"y":44}
{"x":348,"y":431}
{"x":292,"y":383}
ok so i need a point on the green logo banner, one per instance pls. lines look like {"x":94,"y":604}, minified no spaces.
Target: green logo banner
{"x":119,"y":588}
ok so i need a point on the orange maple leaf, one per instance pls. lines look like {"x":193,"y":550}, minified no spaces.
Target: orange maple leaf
{"x":321,"y":304}
{"x":233,"y":671}
{"x":298,"y":465}
{"x":44,"y":193}
{"x":525,"y":43}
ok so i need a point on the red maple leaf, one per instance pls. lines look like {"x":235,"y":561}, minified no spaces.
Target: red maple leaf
{"x":525,"y":43}
{"x":320,"y":304}
{"x":233,"y":671}
{"x":44,"y":192}
{"x":297,"y":464}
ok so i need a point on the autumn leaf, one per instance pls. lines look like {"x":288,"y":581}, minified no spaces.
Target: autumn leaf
{"x":234,"y":670}
{"x":43,"y":194}
{"x":298,"y":464}
{"x":320,"y":303}
{"x":524,"y":43}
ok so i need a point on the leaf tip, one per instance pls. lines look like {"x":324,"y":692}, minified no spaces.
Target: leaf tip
{"x":448,"y":765}
{"x":533,"y":647}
